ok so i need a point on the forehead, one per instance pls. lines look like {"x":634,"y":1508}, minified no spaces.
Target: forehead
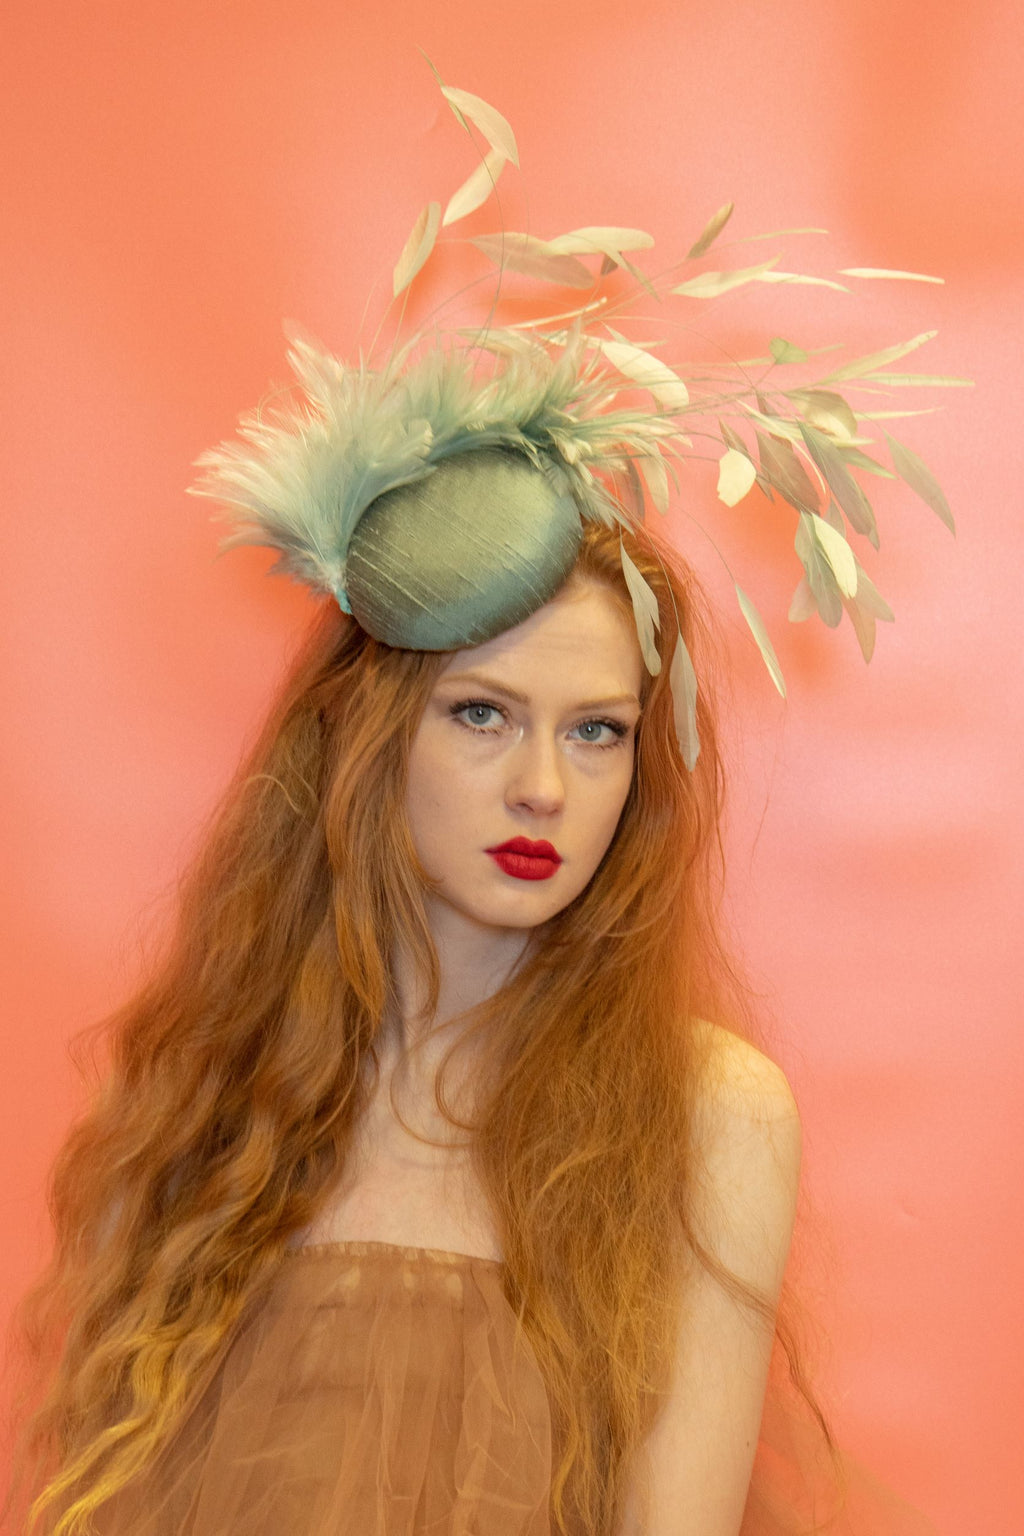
{"x":581,"y":638}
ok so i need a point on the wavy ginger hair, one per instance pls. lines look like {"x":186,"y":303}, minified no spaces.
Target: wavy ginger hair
{"x":240,"y":1068}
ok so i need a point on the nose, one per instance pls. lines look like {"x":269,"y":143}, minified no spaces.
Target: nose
{"x":535,"y":780}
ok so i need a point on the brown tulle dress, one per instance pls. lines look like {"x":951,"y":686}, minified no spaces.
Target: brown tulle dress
{"x":378,"y":1389}
{"x":381,"y":1390}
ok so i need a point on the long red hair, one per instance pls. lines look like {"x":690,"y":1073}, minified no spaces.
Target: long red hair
{"x":240,"y":1068}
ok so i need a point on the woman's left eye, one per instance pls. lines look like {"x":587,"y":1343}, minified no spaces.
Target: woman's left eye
{"x":617,"y":729}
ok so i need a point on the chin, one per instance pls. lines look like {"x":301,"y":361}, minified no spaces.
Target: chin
{"x":509,"y":916}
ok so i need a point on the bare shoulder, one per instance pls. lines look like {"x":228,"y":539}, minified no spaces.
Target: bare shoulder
{"x":748,"y":1144}
{"x":742,"y":1195}
{"x":742,"y":1084}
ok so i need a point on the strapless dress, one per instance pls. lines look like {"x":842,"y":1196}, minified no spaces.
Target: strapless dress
{"x":380,"y":1390}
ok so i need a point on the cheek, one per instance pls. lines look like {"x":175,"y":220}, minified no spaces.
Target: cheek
{"x":607,"y":804}
{"x":420,"y":793}
{"x":438,"y":791}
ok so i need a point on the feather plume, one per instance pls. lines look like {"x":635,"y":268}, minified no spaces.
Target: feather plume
{"x":303,"y":474}
{"x":601,"y":409}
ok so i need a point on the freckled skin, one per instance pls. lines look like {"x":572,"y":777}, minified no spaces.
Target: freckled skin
{"x":545,"y":769}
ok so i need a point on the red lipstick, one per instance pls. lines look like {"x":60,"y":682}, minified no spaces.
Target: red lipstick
{"x":525,"y":859}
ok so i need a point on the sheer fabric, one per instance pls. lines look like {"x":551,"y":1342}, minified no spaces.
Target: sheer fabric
{"x":378,"y":1389}
{"x":382,"y":1391}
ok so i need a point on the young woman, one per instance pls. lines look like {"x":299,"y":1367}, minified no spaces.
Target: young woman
{"x":434,"y":1187}
{"x":287,"y":1312}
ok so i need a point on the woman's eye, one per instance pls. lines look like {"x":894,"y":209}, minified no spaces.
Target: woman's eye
{"x":477,"y":715}
{"x":602,"y":733}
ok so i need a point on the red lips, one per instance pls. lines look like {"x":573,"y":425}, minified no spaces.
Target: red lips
{"x":524,"y":859}
{"x":541,"y":850}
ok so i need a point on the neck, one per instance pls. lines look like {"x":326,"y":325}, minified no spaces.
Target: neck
{"x":474,"y":962}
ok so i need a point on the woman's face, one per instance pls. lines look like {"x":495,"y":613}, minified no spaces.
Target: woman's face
{"x":529,"y":736}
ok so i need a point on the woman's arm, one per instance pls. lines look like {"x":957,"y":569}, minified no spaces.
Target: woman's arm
{"x":700,"y":1451}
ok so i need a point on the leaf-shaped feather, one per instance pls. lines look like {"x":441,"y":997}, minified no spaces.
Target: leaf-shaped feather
{"x":783,"y":469}
{"x":710,"y":233}
{"x":750,"y":363}
{"x":683,"y":683}
{"x":649,"y":372}
{"x":731,"y":438}
{"x":636,"y":486}
{"x":606,"y":240}
{"x":710,"y":284}
{"x":655,"y":473}
{"x":863,"y":626}
{"x":920,"y":479}
{"x":533,"y":258}
{"x":736,"y":474}
{"x":870,"y":599}
{"x":912,"y":380}
{"x":826,"y":410}
{"x":784,"y":351}
{"x":645,"y":611}
{"x":760,"y":634}
{"x":834,"y":518}
{"x":855,"y":457}
{"x":842,"y":484}
{"x":819,"y":575}
{"x":804,"y":602}
{"x":476,"y":189}
{"x":800,"y":280}
{"x":864,"y":610}
{"x":927,"y":410}
{"x":858,"y":366}
{"x":418,"y":246}
{"x":779,"y":234}
{"x":914,"y":277}
{"x":635,"y":273}
{"x":837,"y":552}
{"x":495,"y":128}
{"x":778,"y":426}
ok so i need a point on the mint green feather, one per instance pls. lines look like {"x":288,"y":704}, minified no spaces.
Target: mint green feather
{"x":305,"y":472}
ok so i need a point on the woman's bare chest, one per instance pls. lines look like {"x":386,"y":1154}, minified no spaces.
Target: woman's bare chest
{"x":400,"y":1189}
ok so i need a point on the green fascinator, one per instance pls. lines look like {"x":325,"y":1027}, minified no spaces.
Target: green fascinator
{"x":440,"y":497}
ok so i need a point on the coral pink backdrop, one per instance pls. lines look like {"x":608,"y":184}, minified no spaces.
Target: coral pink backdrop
{"x":178,"y":180}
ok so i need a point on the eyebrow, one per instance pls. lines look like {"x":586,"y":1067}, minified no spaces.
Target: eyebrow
{"x":493,"y":686}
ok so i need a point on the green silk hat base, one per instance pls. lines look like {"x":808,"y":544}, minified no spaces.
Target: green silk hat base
{"x":458,"y":556}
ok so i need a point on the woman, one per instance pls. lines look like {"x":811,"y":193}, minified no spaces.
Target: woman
{"x":246,"y":1106}
{"x":431,"y":1188}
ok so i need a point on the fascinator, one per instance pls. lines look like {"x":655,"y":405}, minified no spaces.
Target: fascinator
{"x":439,"y":494}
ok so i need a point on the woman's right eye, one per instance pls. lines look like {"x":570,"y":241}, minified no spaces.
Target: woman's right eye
{"x":475,"y":713}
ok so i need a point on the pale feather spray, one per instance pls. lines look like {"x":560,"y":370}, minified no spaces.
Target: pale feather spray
{"x":329,"y":476}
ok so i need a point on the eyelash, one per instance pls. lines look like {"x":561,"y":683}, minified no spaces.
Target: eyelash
{"x":615,"y":726}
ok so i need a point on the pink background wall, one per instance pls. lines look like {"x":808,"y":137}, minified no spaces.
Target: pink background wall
{"x":179,"y":179}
